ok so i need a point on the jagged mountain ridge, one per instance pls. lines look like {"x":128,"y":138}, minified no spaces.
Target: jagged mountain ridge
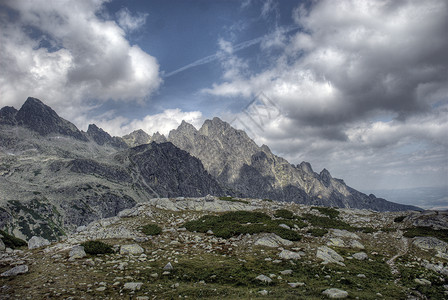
{"x":54,"y":177}
{"x":237,"y":162}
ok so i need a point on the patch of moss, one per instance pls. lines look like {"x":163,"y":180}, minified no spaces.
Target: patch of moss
{"x":97,"y":247}
{"x":399,"y":219}
{"x":11,"y":241}
{"x":151,"y":229}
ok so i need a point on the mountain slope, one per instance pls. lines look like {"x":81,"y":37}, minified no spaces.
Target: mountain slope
{"x":237,"y":162}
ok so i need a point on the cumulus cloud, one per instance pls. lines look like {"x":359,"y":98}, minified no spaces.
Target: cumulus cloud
{"x":130,"y":22}
{"x":67,"y":55}
{"x":359,"y":80}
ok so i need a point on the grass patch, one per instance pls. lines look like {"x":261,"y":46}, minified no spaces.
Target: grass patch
{"x":97,"y":247}
{"x":441,"y":234}
{"x":11,"y":241}
{"x":231,"y":199}
{"x":284,"y":214}
{"x":151,"y":229}
{"x":329,"y":211}
{"x":240,"y":222}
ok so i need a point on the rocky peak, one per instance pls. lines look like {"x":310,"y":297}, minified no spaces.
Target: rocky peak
{"x":37,"y":116}
{"x":137,"y":138}
{"x":8,"y":115}
{"x":325,"y":177}
{"x":101,"y":137}
{"x":158,"y":138}
{"x":305,"y":167}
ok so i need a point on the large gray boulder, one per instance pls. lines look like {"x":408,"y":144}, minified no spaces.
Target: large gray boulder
{"x":15,"y":271}
{"x":287,"y":255}
{"x":328,"y":255}
{"x":335,"y":293}
{"x":77,"y":252}
{"x":271,"y":240}
{"x":133,"y":249}
{"x":37,"y":242}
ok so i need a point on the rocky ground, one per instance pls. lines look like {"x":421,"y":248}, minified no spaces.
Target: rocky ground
{"x":365,"y":256}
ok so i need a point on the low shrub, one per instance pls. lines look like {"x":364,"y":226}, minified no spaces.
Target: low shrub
{"x":399,"y":219}
{"x":151,"y":229}
{"x":97,"y":247}
{"x":329,"y":211}
{"x":240,"y":222}
{"x":441,"y":234}
{"x":325,"y":222}
{"x":317,"y":232}
{"x":11,"y":241}
{"x":284,"y":213}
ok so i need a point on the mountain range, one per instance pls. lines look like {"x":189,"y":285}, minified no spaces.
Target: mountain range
{"x":55,"y":177}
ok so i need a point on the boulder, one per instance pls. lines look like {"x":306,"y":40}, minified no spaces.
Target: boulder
{"x":37,"y":242}
{"x":286,"y":254}
{"x":336,"y":242}
{"x":168,"y":267}
{"x":77,"y":252}
{"x":263,"y":278}
{"x":422,"y":281}
{"x":133,"y":249}
{"x":271,"y":240}
{"x":344,"y":234}
{"x":360,"y":256}
{"x":355,"y":244}
{"x":328,"y":255}
{"x":15,"y":271}
{"x":133,"y":286}
{"x":296,"y":284}
{"x":335,"y":293}
{"x":128,"y":212}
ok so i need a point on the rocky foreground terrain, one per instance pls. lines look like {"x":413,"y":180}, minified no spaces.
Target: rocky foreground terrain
{"x":234,"y":248}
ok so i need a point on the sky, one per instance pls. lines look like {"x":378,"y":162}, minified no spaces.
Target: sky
{"x":357,"y":87}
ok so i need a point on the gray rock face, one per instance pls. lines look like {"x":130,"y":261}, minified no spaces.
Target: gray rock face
{"x":37,"y":242}
{"x":22,"y":269}
{"x":8,"y":115}
{"x":103,"y":138}
{"x":434,"y":219}
{"x":137,"y":138}
{"x":41,"y":118}
{"x":335,"y":293}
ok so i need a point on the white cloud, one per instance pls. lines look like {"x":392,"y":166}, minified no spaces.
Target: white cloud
{"x":65,"y":54}
{"x":352,"y":64}
{"x":129,"y":22}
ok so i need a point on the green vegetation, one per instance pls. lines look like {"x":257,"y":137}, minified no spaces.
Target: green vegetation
{"x":97,"y":247}
{"x":284,"y":213}
{"x":317,"y":232}
{"x":399,"y":219}
{"x":268,"y":200}
{"x":324,"y":222}
{"x":329,"y":211}
{"x":11,"y":241}
{"x":151,"y":229}
{"x":441,"y":234}
{"x":240,"y":222}
{"x":231,"y":199}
